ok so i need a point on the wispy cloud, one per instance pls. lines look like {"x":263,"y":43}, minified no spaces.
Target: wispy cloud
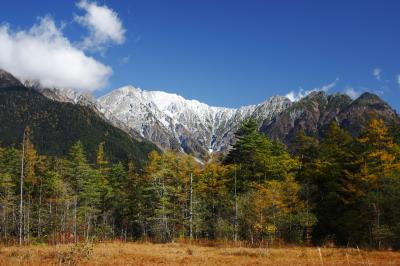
{"x":103,"y":23}
{"x":377,"y":74}
{"x":125,"y":60}
{"x":379,"y":91}
{"x":301,"y":93}
{"x":398,"y":79}
{"x":43,"y":53}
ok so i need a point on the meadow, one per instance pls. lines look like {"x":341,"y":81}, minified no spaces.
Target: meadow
{"x":180,"y":253}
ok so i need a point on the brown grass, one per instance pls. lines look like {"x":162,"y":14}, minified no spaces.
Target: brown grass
{"x":118,"y":253}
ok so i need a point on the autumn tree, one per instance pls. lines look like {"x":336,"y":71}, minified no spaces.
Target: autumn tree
{"x":214,"y":202}
{"x":377,"y":169}
{"x":329,"y":185}
{"x":274,"y":210}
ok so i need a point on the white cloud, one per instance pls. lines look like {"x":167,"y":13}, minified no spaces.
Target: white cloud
{"x":296,"y":96}
{"x":377,"y":74}
{"x":103,"y":24}
{"x":352,"y":93}
{"x":43,"y":53}
{"x":398,"y":79}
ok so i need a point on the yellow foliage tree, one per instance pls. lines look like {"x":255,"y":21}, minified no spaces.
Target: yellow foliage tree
{"x":377,"y":163}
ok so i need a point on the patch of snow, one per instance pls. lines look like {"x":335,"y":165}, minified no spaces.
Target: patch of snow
{"x":158,"y":116}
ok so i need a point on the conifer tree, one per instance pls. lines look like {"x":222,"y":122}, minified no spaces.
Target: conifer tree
{"x":139,"y":198}
{"x":330,"y":183}
{"x":7,"y":199}
{"x":118,"y":202}
{"x":378,"y":164}
{"x":86,"y":184}
{"x":30,"y":180}
{"x":105,"y":188}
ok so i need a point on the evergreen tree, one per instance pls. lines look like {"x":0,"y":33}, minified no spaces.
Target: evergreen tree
{"x":86,"y":183}
{"x":139,"y":202}
{"x":105,"y":189}
{"x":7,"y":203}
{"x":332,"y":189}
{"x":30,"y":180}
{"x":377,"y":167}
{"x":337,"y":188}
{"x":118,"y":202}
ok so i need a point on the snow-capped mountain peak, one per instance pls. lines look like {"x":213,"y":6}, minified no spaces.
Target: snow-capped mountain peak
{"x":168,"y":119}
{"x":172,"y":121}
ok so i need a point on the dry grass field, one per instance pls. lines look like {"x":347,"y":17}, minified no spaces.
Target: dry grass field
{"x":117,"y":253}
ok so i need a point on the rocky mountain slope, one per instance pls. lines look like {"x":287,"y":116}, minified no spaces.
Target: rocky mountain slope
{"x":172,"y":122}
{"x":316,"y":111}
{"x":56,"y":125}
{"x":169,"y":120}
{"x":8,"y":80}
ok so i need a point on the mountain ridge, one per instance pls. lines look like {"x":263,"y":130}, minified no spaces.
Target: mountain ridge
{"x":56,"y":126}
{"x":186,"y":121}
{"x":173,"y":122}
{"x":278,"y":117}
{"x":316,"y":111}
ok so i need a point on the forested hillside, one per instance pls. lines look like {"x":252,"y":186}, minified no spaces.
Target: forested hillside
{"x":55,"y":126}
{"x":336,"y":190}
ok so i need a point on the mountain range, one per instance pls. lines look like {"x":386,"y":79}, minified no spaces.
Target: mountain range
{"x":172,"y":122}
{"x":55,"y":126}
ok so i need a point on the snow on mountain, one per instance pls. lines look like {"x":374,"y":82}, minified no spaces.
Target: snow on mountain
{"x":68,"y":95}
{"x":169,"y":120}
{"x":173,"y":122}
{"x":61,"y":94}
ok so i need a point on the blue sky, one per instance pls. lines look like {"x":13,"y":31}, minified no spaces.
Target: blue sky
{"x":233,"y":53}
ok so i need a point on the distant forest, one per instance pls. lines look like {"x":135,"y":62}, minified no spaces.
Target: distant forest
{"x":336,"y":190}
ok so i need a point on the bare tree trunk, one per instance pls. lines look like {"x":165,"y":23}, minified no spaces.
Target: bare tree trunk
{"x":251,"y":237}
{"x":164,"y":217}
{"x":75,"y":206}
{"x":21,"y":205}
{"x":67,"y":228}
{"x":62,"y":231}
{"x":5,"y":221}
{"x":191,"y":208}
{"x":14,"y":215}
{"x":88,"y":228}
{"x":39,"y":211}
{"x":308,"y":228}
{"x":236,"y":211}
{"x":50,"y":217}
{"x":28,"y":219}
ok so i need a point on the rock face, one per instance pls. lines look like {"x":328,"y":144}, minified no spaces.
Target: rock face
{"x":67,"y":95}
{"x":173,"y":122}
{"x":8,"y":80}
{"x":317,"y":110}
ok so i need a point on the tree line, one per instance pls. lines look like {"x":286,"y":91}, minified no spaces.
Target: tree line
{"x":336,"y":189}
